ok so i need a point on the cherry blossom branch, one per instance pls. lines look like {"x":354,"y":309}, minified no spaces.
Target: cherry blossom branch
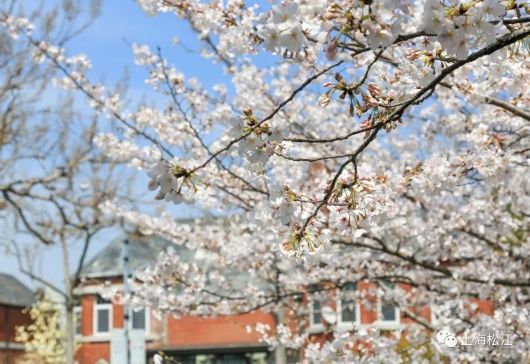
{"x":509,"y":107}
{"x":198,"y":136}
{"x":437,"y":268}
{"x":497,"y":102}
{"x":92,"y":97}
{"x":333,"y":139}
{"x":315,"y":159}
{"x":331,"y":187}
{"x":268,"y":117}
{"x":425,"y":91}
{"x":368,"y":68}
{"x":502,"y":42}
{"x":516,"y":20}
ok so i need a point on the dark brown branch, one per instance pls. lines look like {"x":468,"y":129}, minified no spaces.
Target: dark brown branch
{"x":268,"y":117}
{"x":509,"y":107}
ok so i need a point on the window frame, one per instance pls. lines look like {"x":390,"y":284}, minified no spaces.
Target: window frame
{"x":347,"y":325}
{"x":78,"y":320}
{"x":97,"y":307}
{"x":315,"y":327}
{"x":147,"y":314}
{"x":397,"y":312}
{"x":381,"y":322}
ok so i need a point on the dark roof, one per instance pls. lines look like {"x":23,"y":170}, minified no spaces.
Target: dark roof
{"x":14,"y":293}
{"x":143,"y":251}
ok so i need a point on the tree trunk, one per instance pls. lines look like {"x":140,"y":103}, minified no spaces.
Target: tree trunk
{"x":70,"y":339}
{"x":69,"y":305}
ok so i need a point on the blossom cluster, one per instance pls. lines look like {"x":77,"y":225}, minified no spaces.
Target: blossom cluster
{"x":175,"y":182}
{"x":282,"y":28}
{"x":261,"y":139}
{"x":16,"y":25}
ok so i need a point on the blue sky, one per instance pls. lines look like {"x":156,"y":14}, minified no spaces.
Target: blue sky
{"x":122,"y":23}
{"x":107,"y":43}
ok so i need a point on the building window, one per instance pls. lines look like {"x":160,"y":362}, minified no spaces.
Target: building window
{"x":315,"y":310}
{"x":140,"y":319}
{"x":77,"y":320}
{"x":346,"y":304}
{"x":225,"y":358}
{"x":102,"y":316}
{"x":388,"y":310}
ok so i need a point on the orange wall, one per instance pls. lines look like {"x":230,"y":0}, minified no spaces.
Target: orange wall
{"x":87,"y":316}
{"x":220,"y":330}
{"x":368,"y":314}
{"x":483,"y":306}
{"x":90,"y":353}
{"x":117,"y":316}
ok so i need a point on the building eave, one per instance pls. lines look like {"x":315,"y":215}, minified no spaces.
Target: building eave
{"x":213,"y":348}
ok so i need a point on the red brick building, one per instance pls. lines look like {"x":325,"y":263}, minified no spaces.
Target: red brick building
{"x":194,"y":340}
{"x":190,"y":339}
{"x":14,"y":298}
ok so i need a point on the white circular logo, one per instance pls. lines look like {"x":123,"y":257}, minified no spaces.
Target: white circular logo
{"x":446,"y":337}
{"x":450,"y":341}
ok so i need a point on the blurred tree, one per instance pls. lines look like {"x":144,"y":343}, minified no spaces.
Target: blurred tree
{"x":52,"y":177}
{"x":44,"y":339}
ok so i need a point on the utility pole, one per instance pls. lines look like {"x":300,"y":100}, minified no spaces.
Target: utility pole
{"x":126,"y":291}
